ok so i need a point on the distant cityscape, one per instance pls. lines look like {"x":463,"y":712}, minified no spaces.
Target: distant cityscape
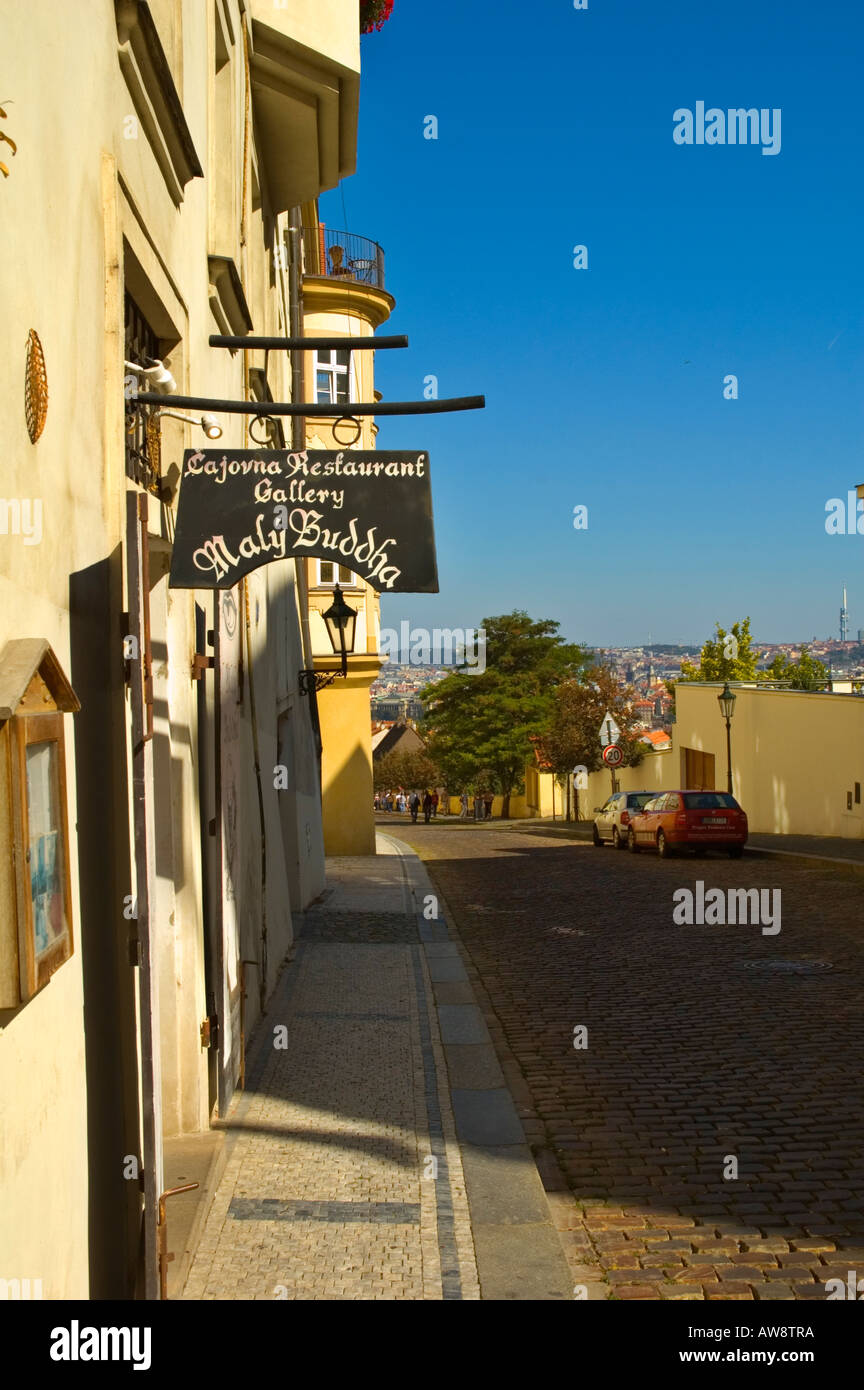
{"x":395,"y":695}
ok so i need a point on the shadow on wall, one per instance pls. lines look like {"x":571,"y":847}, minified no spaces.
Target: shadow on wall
{"x":348,"y":820}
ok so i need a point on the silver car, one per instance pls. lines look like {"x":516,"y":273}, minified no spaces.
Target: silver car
{"x":612,"y":819}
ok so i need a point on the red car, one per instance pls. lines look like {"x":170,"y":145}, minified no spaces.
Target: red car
{"x":701,"y":820}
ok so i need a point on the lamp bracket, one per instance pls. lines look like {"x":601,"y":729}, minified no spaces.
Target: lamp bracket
{"x":316,"y":680}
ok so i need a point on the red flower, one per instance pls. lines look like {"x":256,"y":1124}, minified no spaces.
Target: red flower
{"x":374,"y":14}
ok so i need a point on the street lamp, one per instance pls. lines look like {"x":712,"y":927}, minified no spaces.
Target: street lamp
{"x":726,"y":700}
{"x":341,"y":623}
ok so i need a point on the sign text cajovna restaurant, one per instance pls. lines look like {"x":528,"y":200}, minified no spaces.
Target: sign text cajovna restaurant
{"x":239,"y":509}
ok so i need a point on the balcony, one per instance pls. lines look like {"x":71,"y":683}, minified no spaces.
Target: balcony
{"x":342,"y":256}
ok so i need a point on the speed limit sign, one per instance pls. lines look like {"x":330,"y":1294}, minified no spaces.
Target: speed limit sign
{"x":612,"y":755}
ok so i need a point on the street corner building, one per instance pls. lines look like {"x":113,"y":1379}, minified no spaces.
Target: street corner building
{"x":160,"y":751}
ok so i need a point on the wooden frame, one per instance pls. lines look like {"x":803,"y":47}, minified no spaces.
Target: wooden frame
{"x":36,"y":907}
{"x":27,"y":731}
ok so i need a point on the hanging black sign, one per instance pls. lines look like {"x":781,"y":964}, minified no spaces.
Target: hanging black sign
{"x":241,"y":508}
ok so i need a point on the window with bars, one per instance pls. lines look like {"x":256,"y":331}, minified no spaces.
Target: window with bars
{"x":142,"y":427}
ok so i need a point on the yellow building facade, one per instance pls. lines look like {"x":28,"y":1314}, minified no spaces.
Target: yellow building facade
{"x":343,"y":296}
{"x":161,"y":150}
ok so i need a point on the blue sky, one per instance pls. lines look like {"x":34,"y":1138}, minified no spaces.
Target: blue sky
{"x":605,"y":386}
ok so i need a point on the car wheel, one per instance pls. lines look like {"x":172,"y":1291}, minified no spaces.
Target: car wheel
{"x":631,"y":842}
{"x":616,"y":838}
{"x":598,"y":842}
{"x":663,"y":845}
{"x":735,"y":851}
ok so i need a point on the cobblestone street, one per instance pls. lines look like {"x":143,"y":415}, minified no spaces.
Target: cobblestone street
{"x":705,"y":1044}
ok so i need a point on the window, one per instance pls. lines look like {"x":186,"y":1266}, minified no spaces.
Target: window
{"x":857,"y":793}
{"x":327,"y":575}
{"x":710,"y":801}
{"x":334,"y":377}
{"x":142,"y":429}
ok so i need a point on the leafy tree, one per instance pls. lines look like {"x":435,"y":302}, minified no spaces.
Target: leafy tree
{"x":805,"y":674}
{"x":573,"y":735}
{"x":480,"y":727}
{"x":728,"y":656}
{"x":415,"y":770}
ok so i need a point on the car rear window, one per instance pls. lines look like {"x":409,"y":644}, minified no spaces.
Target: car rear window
{"x":640,"y":798}
{"x":710,"y":801}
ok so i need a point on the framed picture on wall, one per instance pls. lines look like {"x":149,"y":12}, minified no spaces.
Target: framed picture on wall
{"x":37,"y":933}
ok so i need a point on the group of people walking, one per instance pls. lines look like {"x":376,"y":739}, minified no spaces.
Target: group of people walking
{"x":391,"y":801}
{"x":409,"y":801}
{"x":429,"y":801}
{"x":483,"y":802}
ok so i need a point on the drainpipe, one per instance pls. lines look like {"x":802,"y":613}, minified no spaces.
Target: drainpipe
{"x":298,"y":422}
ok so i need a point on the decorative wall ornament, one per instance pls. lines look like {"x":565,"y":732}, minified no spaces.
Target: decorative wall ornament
{"x":35,"y":387}
{"x":6,"y":140}
{"x":154,"y":450}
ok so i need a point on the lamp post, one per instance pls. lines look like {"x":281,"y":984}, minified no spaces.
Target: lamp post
{"x":726,"y":700}
{"x":341,"y":623}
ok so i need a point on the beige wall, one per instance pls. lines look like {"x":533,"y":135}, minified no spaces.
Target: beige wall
{"x":87,"y":208}
{"x":656,"y":772}
{"x":795,"y":755}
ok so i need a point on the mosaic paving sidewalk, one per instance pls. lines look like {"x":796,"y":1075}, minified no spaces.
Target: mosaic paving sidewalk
{"x":345,"y":1178}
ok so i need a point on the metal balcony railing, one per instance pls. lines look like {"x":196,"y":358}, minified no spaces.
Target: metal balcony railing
{"x":342,"y":256}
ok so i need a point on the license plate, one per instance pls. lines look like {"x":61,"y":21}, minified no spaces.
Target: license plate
{"x":713,"y":820}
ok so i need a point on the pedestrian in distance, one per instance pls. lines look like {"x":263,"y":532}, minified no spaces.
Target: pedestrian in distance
{"x":487,"y":805}
{"x":463,"y":814}
{"x":478,"y":806}
{"x":414,"y":804}
{"x":427,"y":806}
{"x":435,"y":804}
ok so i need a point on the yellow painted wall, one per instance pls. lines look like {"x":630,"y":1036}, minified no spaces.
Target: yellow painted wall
{"x":656,"y":772}
{"x":795,"y":755}
{"x":340,"y":308}
{"x":346,"y":761}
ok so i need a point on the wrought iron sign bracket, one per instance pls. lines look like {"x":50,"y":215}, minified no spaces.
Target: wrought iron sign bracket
{"x":309,"y":409}
{"x":316,"y":680}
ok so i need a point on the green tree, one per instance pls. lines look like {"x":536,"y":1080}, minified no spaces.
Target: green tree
{"x":480,"y":727}
{"x":808,"y":673}
{"x":728,"y":656}
{"x":410,"y":771}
